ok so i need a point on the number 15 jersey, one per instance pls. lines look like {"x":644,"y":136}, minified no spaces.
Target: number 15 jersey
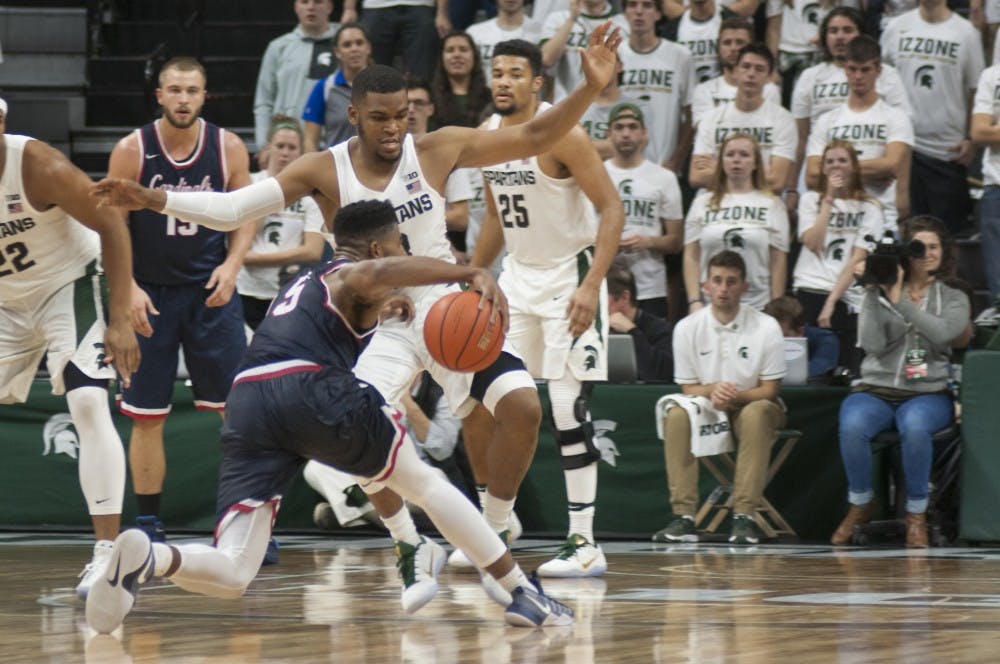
{"x":545,"y":220}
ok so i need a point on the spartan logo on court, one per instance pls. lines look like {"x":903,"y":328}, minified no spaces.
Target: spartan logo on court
{"x":835,"y":250}
{"x":743,"y":352}
{"x":590,"y":362}
{"x":59,"y":436}
{"x":625,"y":187}
{"x":272,"y":231}
{"x":811,"y":13}
{"x":924,"y":77}
{"x":733,"y":238}
{"x":603,"y":442}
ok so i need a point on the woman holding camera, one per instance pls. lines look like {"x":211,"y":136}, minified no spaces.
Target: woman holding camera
{"x":740,"y":213}
{"x":833,"y":224}
{"x":906,"y":328}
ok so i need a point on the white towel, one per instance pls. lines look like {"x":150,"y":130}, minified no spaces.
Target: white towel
{"x":710,"y":432}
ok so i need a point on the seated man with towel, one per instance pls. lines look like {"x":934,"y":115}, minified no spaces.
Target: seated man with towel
{"x":729,"y":360}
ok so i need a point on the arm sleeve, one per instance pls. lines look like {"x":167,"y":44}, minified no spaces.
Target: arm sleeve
{"x":225,"y":211}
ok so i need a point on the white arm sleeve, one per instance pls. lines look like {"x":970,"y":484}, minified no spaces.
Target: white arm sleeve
{"x":225,"y":211}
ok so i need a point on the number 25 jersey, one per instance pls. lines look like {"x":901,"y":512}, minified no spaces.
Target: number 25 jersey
{"x":545,"y":220}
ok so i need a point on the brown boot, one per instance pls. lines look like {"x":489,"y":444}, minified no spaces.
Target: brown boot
{"x":857,"y":514}
{"x":916,"y":530}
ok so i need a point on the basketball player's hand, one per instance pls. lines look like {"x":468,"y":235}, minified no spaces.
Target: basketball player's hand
{"x":222,"y":283}
{"x":486,"y":285}
{"x":141,"y":308}
{"x":398,"y":306}
{"x":598,"y":61}
{"x":127,"y":194}
{"x":122,"y":349}
{"x":582,"y":308}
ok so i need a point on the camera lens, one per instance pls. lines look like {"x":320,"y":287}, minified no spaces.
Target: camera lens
{"x":917,"y":249}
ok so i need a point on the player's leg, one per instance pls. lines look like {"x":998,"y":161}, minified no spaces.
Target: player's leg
{"x":462,"y":525}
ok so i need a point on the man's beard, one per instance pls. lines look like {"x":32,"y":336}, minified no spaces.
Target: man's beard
{"x":503,"y":112}
{"x":174,"y":122}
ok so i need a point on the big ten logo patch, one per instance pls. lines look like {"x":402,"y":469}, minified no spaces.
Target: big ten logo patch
{"x":59,"y":437}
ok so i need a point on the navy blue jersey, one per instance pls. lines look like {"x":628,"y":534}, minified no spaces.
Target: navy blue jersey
{"x":302,"y":324}
{"x":168,"y":251}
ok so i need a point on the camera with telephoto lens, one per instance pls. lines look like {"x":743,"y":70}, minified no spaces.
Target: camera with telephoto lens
{"x":882,"y":263}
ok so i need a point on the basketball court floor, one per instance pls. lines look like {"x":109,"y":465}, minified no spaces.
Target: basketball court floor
{"x":337,"y":600}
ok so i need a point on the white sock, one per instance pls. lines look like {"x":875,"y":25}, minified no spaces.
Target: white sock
{"x":401,"y":527}
{"x":581,"y":490}
{"x":514,"y":579}
{"x":497,"y":512}
{"x":102,"y":457}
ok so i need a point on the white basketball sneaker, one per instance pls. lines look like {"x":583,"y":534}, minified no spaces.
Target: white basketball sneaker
{"x":112,"y":595}
{"x":577,"y":558}
{"x":418,"y":568}
{"x":95,"y":568}
{"x":514,"y":529}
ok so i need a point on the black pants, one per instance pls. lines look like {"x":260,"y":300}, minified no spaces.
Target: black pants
{"x":940,"y":188}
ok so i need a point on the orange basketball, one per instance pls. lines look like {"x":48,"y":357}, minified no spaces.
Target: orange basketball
{"x":459,"y":335}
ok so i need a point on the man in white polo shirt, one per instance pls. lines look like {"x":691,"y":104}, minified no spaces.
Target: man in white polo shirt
{"x":733,"y":355}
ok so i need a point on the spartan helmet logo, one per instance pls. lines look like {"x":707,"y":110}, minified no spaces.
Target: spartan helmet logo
{"x":100,"y":354}
{"x":325,"y":58}
{"x":704,"y":73}
{"x":604,"y":444}
{"x":733,"y":240}
{"x":59,"y":436}
{"x":835,"y":250}
{"x":742,"y":352}
{"x":591,"y":360}
{"x":811,"y":13}
{"x":625,"y":187}
{"x":924,"y":77}
{"x":272,"y":231}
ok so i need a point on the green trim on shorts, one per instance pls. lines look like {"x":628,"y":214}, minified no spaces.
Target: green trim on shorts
{"x":584,"y":260}
{"x":90,"y":292}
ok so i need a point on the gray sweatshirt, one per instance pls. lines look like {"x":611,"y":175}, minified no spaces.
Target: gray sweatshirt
{"x":291,"y":66}
{"x":888,"y":332}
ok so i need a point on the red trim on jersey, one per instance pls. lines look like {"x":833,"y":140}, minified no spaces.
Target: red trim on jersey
{"x":193,"y":159}
{"x":280,"y":369}
{"x":331,"y":307}
{"x":245,"y":506}
{"x":390,"y":466}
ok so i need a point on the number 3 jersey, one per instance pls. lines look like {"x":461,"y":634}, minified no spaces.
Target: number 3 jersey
{"x":546,"y":221}
{"x":168,"y":251}
{"x":39,"y":251}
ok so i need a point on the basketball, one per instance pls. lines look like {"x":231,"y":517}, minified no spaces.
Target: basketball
{"x":459,"y":335}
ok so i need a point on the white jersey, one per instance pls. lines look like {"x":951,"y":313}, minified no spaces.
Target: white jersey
{"x":568,"y":72}
{"x":747,"y":350}
{"x":716,"y":92}
{"x":987,"y":101}
{"x":651,"y":195}
{"x":420,"y":210}
{"x":595,"y":119}
{"x":39,"y":251}
{"x":279,"y":232}
{"x":488,"y":34}
{"x":850,"y":221}
{"x":701,"y":38}
{"x":870,"y":131}
{"x":824,"y":86}
{"x":747,"y":223}
{"x":546,"y":221}
{"x":663,"y":78}
{"x":771,"y":125}
{"x":939,"y":64}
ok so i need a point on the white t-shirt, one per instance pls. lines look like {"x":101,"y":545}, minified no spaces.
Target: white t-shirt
{"x":488,"y":34}
{"x":799,"y":24}
{"x":651,"y":195}
{"x":568,"y":73}
{"x":664,"y":79}
{"x":770,"y":124}
{"x":824,"y":86}
{"x":870,"y":131}
{"x":850,"y":221}
{"x":939,"y":63}
{"x":715,"y":92}
{"x":747,"y":223}
{"x":748,"y":350}
{"x":457,"y":187}
{"x":987,"y":101}
{"x":278,"y":232}
{"x":595,"y":119}
{"x":702,"y":39}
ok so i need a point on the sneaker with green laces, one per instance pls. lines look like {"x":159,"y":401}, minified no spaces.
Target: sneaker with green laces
{"x":745,"y":530}
{"x":681,"y":529}
{"x":418,"y":569}
{"x":578,"y":558}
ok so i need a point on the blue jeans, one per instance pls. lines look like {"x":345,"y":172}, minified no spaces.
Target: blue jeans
{"x":863,"y":416}
{"x":989,"y":229}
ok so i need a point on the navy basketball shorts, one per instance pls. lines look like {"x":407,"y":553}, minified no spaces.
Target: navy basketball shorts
{"x":274,"y":423}
{"x":213,"y":339}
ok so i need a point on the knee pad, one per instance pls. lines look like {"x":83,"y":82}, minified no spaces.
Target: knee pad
{"x":73,"y":378}
{"x":586,"y":452}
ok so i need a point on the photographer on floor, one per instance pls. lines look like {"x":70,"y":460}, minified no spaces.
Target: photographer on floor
{"x":906,"y":327}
